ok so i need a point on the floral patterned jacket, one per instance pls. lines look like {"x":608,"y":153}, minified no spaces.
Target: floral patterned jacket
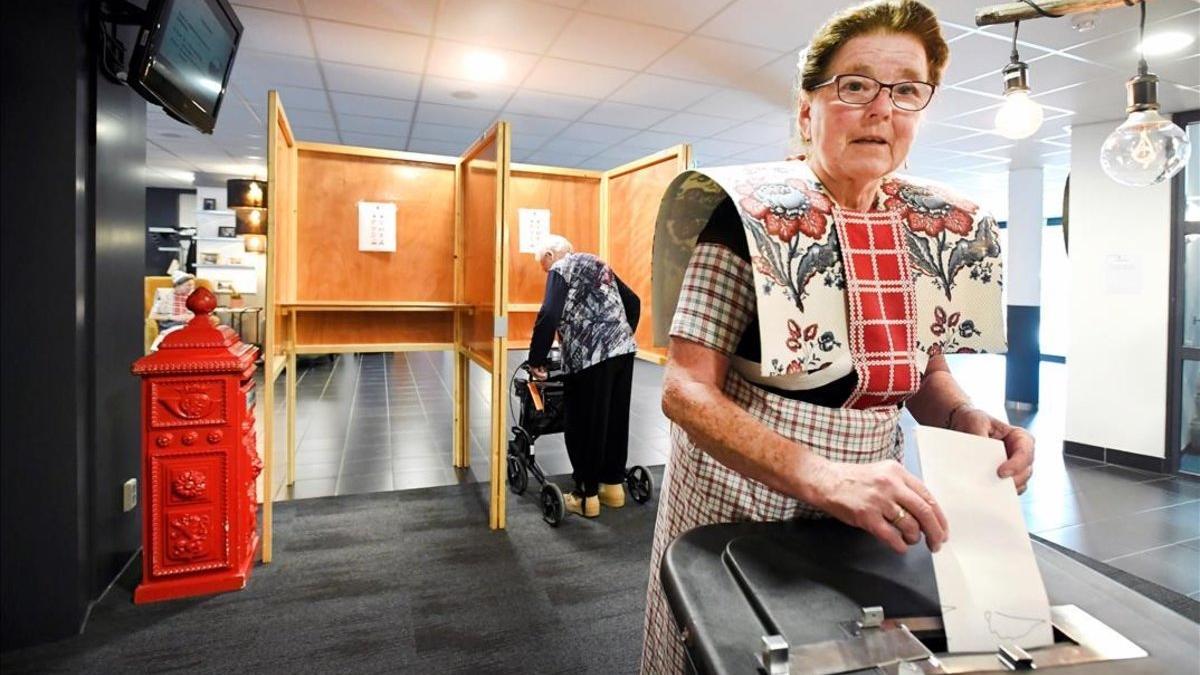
{"x":951,"y":274}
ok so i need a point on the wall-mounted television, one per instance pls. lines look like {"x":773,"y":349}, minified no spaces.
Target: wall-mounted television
{"x":183,"y":58}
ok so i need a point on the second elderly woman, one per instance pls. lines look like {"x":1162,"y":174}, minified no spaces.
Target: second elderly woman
{"x":817,"y":303}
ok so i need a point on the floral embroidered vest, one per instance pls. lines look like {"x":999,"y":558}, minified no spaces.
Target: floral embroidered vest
{"x":874,"y":292}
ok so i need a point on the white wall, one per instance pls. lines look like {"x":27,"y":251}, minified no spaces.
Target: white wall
{"x":1117,"y":360}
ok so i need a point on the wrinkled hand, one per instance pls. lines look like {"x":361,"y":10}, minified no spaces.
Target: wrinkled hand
{"x":1018,"y":443}
{"x":871,"y":496}
{"x":538,"y":372}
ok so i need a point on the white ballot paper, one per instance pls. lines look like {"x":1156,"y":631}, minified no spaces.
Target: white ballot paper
{"x":989,"y":583}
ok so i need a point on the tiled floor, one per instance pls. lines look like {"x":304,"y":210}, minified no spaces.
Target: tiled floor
{"x":383,"y":422}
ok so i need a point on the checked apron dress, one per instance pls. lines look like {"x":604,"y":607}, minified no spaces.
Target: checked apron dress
{"x":835,"y":291}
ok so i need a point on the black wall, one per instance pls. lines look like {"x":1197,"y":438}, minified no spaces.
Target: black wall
{"x":72,"y":212}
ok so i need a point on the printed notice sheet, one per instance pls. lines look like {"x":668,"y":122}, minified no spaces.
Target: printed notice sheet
{"x":377,"y":226}
{"x":989,"y":583}
{"x":534,"y":226}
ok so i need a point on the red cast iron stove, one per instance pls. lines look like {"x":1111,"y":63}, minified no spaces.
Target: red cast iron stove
{"x":199,"y":460}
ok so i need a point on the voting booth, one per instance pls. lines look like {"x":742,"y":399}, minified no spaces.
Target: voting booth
{"x":373,"y":250}
{"x":610,"y":213}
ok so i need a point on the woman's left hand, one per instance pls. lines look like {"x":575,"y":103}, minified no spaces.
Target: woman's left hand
{"x":1018,"y":443}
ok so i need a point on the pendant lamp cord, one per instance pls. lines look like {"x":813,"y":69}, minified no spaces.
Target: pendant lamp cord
{"x":1038,"y":8}
{"x":1142,"y":67}
{"x":1014,"y":57}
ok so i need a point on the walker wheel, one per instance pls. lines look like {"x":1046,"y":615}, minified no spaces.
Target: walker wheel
{"x":518,"y":475}
{"x":640,"y":484}
{"x":553,"y":510}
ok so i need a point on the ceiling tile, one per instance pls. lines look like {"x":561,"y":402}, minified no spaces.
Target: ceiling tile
{"x":693,"y":126}
{"x":460,"y":136}
{"x":362,"y":124}
{"x":625,"y":114}
{"x":612,"y":42}
{"x":317,"y":119}
{"x":374,"y":141}
{"x":575,"y":78}
{"x":444,"y":148}
{"x":448,"y":59}
{"x":510,"y":24}
{"x":662,"y":92}
{"x":757,"y":133}
{"x":788,"y":28}
{"x":756,"y":155}
{"x":1051,"y":72}
{"x":600,"y":133}
{"x":261,"y":71}
{"x":977,"y":56}
{"x":289,"y":6}
{"x":685,"y":15}
{"x":934,"y":133}
{"x":533,"y":126}
{"x":455,"y":116}
{"x":411,"y":16}
{"x":303,"y":98}
{"x":595,"y":164}
{"x":276,"y":32}
{"x":1059,"y":34}
{"x":774,"y":81}
{"x":617,"y":156}
{"x":708,"y":60}
{"x":652,"y":141}
{"x":949,"y":102}
{"x":1119,"y":51}
{"x":528,"y":102}
{"x":373,"y":106}
{"x":465,"y":94}
{"x":555,"y":158}
{"x":372,"y":81}
{"x":737,"y":104}
{"x":526,"y":143}
{"x":316,"y":135}
{"x":715,"y":148}
{"x":369,"y":46}
{"x":574,"y":147}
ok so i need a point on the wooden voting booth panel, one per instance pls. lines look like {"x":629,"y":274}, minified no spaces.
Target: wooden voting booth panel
{"x":281,"y":198}
{"x":632,"y":195}
{"x":482,"y":331}
{"x":573,"y":199}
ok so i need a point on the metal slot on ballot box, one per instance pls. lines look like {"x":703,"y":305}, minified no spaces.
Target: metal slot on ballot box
{"x":908,"y":645}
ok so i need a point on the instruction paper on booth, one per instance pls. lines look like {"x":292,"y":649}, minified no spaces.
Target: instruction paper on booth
{"x":534,"y":228}
{"x":987,"y":578}
{"x":377,"y":226}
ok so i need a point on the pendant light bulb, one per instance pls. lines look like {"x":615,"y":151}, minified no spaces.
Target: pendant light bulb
{"x":1147,"y":148}
{"x":1020,"y":116}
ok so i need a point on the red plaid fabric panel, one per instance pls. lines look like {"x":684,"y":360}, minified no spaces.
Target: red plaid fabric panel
{"x":179,"y":306}
{"x":698,"y":490}
{"x":881,"y":307}
{"x":716,"y":301}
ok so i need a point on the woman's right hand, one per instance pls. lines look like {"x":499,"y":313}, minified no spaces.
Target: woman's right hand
{"x":882,"y":498}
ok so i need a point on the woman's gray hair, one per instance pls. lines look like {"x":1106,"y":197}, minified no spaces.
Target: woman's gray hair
{"x":557,"y":246}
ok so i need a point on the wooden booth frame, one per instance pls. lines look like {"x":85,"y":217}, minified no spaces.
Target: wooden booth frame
{"x":612,"y":213}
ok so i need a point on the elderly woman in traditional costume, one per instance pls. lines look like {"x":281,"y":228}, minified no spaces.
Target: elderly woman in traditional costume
{"x":815,"y":300}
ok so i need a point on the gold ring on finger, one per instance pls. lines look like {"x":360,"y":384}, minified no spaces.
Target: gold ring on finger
{"x":901,"y":514}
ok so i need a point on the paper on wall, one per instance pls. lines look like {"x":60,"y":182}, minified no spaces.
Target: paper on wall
{"x":534,"y":227}
{"x":988,"y":580}
{"x":376,"y":226}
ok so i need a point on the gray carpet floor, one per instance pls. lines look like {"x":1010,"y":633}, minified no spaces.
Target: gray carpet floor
{"x":409,"y":581}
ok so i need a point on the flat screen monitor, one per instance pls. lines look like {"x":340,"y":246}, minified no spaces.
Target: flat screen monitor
{"x":183,"y":58}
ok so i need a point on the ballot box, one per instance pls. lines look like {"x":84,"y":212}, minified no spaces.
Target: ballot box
{"x":821,"y":597}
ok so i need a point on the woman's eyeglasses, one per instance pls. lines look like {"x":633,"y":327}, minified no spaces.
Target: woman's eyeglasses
{"x":861,"y":90}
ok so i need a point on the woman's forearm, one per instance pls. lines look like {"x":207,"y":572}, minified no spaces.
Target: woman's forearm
{"x":738,"y":440}
{"x":939,"y":395}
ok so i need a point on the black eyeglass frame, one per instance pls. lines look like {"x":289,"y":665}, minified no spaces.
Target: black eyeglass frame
{"x":890,"y":87}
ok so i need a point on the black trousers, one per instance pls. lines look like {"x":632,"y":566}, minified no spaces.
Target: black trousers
{"x":596,"y":421}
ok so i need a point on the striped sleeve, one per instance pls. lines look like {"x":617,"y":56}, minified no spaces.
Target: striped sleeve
{"x":716,"y":302}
